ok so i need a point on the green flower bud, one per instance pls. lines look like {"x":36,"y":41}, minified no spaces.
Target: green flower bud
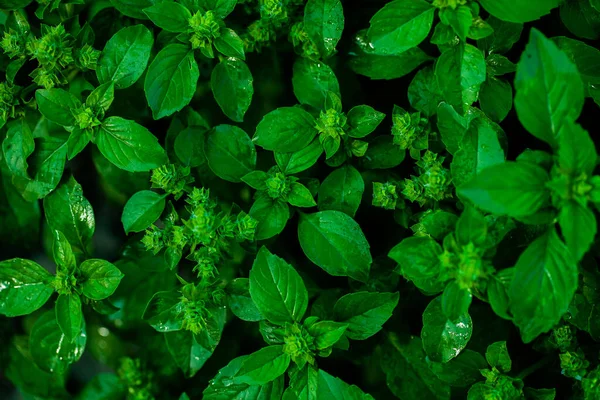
{"x":303,"y":45}
{"x":171,"y":178}
{"x":85,"y":118}
{"x":331,"y":124}
{"x":591,"y":384}
{"x":385,"y":195}
{"x":573,"y":364}
{"x":448,"y":3}
{"x":298,"y":343}
{"x":205,"y":27}
{"x":278,"y":185}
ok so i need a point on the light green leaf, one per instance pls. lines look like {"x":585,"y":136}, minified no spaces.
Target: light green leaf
{"x":230,"y":44}
{"x":497,"y":356}
{"x":272,"y":216}
{"x":239,"y":301}
{"x":171,"y":80}
{"x":543,"y":286}
{"x":300,"y":196}
{"x":363,"y":120}
{"x":365,"y":312}
{"x":334,"y":241}
{"x":23,"y":287}
{"x":56,"y":105}
{"x":170,"y":16}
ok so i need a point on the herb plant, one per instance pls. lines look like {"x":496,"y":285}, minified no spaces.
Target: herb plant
{"x":299,"y":199}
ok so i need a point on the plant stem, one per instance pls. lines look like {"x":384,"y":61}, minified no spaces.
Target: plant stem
{"x":534,"y":367}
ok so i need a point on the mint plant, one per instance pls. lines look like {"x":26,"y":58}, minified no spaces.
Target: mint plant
{"x":299,"y":199}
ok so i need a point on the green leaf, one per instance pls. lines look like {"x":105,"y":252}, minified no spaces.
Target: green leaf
{"x":231,"y":83}
{"x":263,"y":366}
{"x":312,"y":80}
{"x":286,"y":129}
{"x":519,"y":11}
{"x":68,"y":211}
{"x":300,"y":196}
{"x":424,"y":93}
{"x":189,"y":146}
{"x":223,"y":386}
{"x":497,"y":356}
{"x":125,"y":56}
{"x":543,"y":286}
{"x":132,"y":8}
{"x":221,"y":8}
{"x":581,"y":18}
{"x":17,"y":147}
{"x":460,"y":71}
{"x":334,"y":241}
{"x":512,"y":188}
{"x":505,"y":35}
{"x":578,"y":226}
{"x":548,"y":87}
{"x":363,"y":120}
{"x":142,"y":210}
{"x":99,"y":278}
{"x":230,"y":44}
{"x":460,"y":20}
{"x":407,"y":371}
{"x":303,"y":384}
{"x":239,"y":301}
{"x":365,"y":312}
{"x":453,"y":126}
{"x":418,"y":258}
{"x":164,"y":311}
{"x":444,"y":339}
{"x":272,"y":216}
{"x":47,"y":163}
{"x":277,"y":289}
{"x":330,"y":387}
{"x":56,"y":105}
{"x":498,"y":292}
{"x":327,"y":333}
{"x":455,"y":301}
{"x":342,"y":190}
{"x":365,"y":61}
{"x":230,"y":152}
{"x":50,"y":349}
{"x":63,"y":254}
{"x":400,"y":26}
{"x":69,"y":315}
{"x":23,"y":287}
{"x":495,"y":98}
{"x":383,"y":154}
{"x":298,"y":161}
{"x":324,"y":23}
{"x":103,"y":386}
{"x":462,"y":371}
{"x":479,"y":149}
{"x":170,"y":16}
{"x":171,"y":80}
{"x":129,"y":146}
{"x":586,"y":58}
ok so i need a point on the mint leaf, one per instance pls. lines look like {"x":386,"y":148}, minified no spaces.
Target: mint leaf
{"x":23,"y":287}
{"x":141,"y":210}
{"x":230,"y":152}
{"x":99,"y":278}
{"x":263,"y":366}
{"x":365,"y":313}
{"x":231,"y":83}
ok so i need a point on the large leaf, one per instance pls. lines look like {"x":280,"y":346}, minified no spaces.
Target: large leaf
{"x":171,"y":80}
{"x":517,"y":10}
{"x":277,"y":289}
{"x":23,"y":287}
{"x":312,"y":81}
{"x":125,"y":56}
{"x":142,"y":210}
{"x":285,"y":129}
{"x":129,"y":145}
{"x":334,"y":241}
{"x":324,"y":23}
{"x":342,"y":190}
{"x":231,"y":83}
{"x":549,"y":90}
{"x":230,"y":152}
{"x":400,"y":26}
{"x":263,"y":366}
{"x":99,"y":278}
{"x":365,"y":312}
{"x":543,"y":285}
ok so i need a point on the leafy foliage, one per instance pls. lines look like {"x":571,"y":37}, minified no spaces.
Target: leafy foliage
{"x":299,"y":199}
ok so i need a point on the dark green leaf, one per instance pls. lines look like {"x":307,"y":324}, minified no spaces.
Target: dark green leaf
{"x":324,"y":23}
{"x":99,"y":278}
{"x":312,"y":81}
{"x":263,"y":366}
{"x":519,"y":11}
{"x":23,"y":287}
{"x":142,"y":210}
{"x":365,"y":312}
{"x":272,"y":216}
{"x":285,"y":130}
{"x":342,"y":190}
{"x":69,"y":315}
{"x":231,"y":83}
{"x":230,"y":152}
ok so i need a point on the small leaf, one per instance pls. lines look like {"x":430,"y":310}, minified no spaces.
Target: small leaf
{"x":277,"y":289}
{"x":231,"y":83}
{"x":285,"y":130}
{"x":142,"y":210}
{"x":99,"y":278}
{"x":69,"y":315}
{"x":334,"y":241}
{"x":263,"y":366}
{"x":324,"y":23}
{"x":23,"y":287}
{"x":342,"y":190}
{"x":365,"y":312}
{"x":230,"y":152}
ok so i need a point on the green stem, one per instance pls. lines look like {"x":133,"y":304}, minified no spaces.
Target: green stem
{"x":532,"y":368}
